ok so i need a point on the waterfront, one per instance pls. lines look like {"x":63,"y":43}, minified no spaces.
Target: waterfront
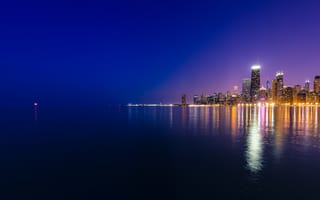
{"x":176,"y":152}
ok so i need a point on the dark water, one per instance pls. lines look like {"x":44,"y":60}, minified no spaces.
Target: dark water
{"x":160,"y":153}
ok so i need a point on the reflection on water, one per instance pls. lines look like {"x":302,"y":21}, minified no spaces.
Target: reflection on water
{"x":254,"y":140}
{"x":272,"y":121}
{"x":253,"y":126}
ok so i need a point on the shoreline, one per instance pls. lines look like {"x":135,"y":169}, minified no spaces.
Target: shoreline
{"x":223,"y":105}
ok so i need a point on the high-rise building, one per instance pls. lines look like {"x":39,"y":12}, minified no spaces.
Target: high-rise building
{"x":302,"y":96}
{"x":204,"y":99}
{"x":268,"y":89}
{"x":246,"y":85}
{"x":235,"y":90}
{"x":287,"y":95}
{"x":274,"y":94}
{"x":279,"y":78}
{"x":262,"y":94}
{"x":296,"y":90}
{"x":307,"y":86}
{"x":245,"y":93}
{"x":255,"y":82}
{"x":268,"y":85}
{"x":316,"y":84}
{"x":196,"y":99}
{"x":184,"y":99}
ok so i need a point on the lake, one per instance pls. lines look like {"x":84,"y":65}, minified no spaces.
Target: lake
{"x":196,"y":152}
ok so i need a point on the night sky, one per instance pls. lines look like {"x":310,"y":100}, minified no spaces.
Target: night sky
{"x":114,"y":52}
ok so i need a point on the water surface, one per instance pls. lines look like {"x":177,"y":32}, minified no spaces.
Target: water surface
{"x":115,"y":152}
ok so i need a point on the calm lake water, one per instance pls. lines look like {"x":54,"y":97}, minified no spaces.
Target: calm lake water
{"x":116,"y":152}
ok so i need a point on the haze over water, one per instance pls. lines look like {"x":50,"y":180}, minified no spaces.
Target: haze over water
{"x":204,"y":152}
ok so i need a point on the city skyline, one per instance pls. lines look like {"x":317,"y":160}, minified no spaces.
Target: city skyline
{"x":275,"y":91}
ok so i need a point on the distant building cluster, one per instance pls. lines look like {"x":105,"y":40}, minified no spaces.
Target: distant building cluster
{"x":275,"y":92}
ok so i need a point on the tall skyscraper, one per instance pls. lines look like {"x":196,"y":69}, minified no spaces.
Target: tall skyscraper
{"x":316,"y":84}
{"x":296,"y":91}
{"x":255,"y":82}
{"x":279,"y":79}
{"x":307,"y":85}
{"x":246,"y":85}
{"x":268,"y":85}
{"x":245,"y":93}
{"x":268,"y":89}
{"x":274,"y":94}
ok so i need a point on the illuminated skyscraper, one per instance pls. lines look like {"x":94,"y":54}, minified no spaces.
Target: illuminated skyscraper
{"x":262,"y":94}
{"x":246,"y":85}
{"x":316,"y":84}
{"x":268,"y":84}
{"x":296,"y":90}
{"x":279,"y":78}
{"x":255,"y":82}
{"x":274,"y":94}
{"x":307,"y":85}
{"x":287,"y":95}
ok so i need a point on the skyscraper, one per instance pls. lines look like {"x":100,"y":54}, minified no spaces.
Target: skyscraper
{"x":307,"y":85}
{"x":316,"y":84}
{"x":255,"y":82}
{"x":274,"y":94}
{"x":279,"y":79}
{"x":246,"y":84}
{"x":235,"y":90}
{"x":184,"y":99}
{"x":296,"y":91}
{"x":262,"y":94}
{"x":268,"y":84}
{"x":287,"y":95}
{"x":196,"y":99}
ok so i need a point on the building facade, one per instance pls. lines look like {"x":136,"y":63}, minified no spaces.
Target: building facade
{"x":255,"y":82}
{"x":279,"y":79}
{"x":316,"y":84}
{"x":183,"y":99}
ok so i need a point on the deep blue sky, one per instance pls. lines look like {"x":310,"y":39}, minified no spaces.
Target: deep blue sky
{"x":150,"y":51}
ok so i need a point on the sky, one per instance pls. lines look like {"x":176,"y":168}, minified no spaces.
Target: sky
{"x":114,"y":52}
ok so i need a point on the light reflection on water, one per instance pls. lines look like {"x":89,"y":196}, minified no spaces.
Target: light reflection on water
{"x":254,"y":140}
{"x":255,"y":126}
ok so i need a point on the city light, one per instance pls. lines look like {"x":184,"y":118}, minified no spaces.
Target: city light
{"x":279,"y":73}
{"x":255,"y":67}
{"x":254,"y":93}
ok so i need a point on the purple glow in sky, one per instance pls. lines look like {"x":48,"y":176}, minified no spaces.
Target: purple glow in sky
{"x":277,"y":36}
